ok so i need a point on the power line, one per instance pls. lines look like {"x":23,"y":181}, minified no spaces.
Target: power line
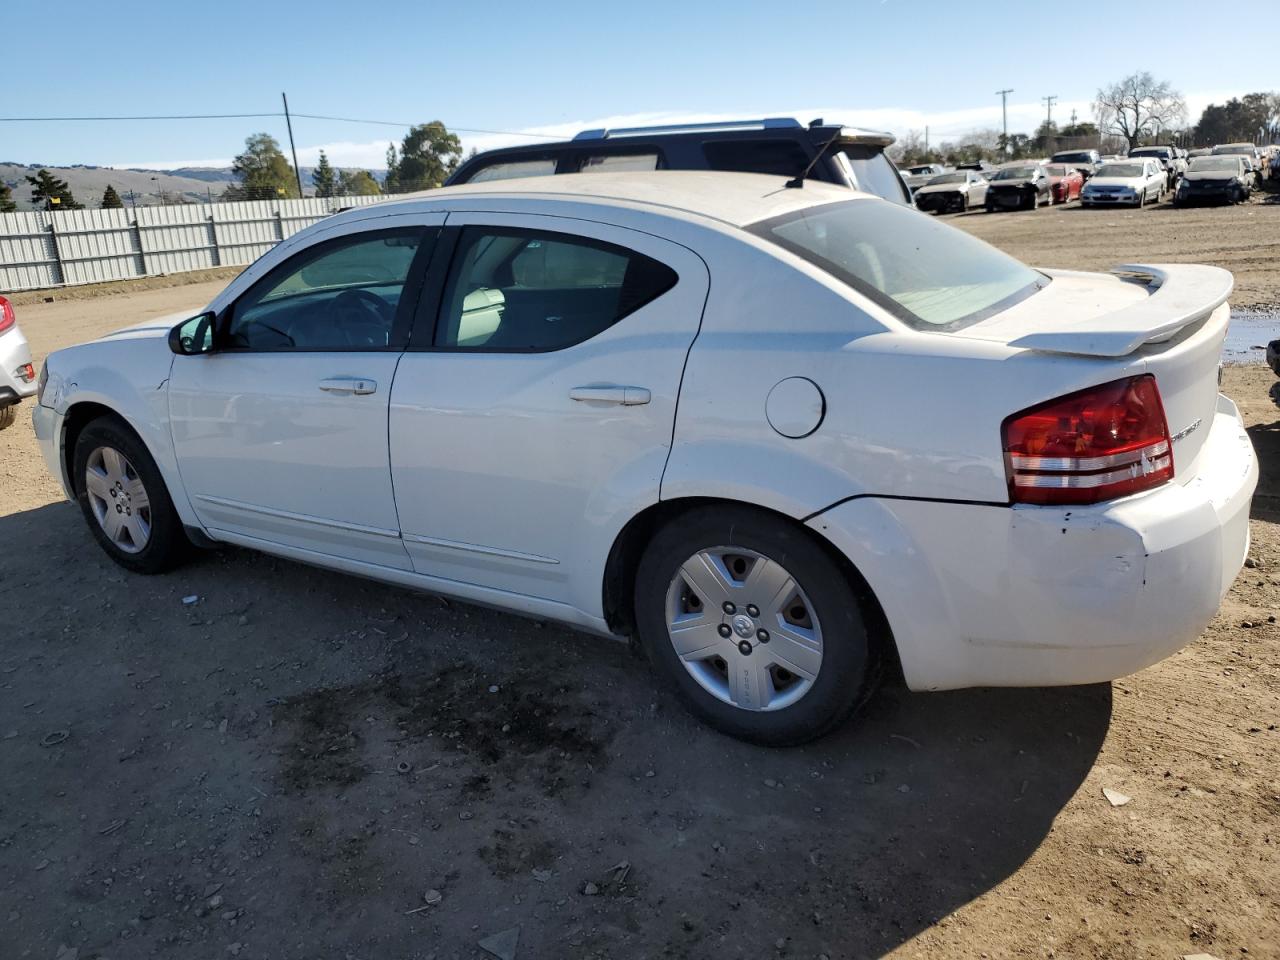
{"x":183,"y":116}
{"x":260,"y":116}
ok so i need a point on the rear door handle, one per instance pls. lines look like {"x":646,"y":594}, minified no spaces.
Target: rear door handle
{"x":609,"y":393}
{"x":359,"y":386}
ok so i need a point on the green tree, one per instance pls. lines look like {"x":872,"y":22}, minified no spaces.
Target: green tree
{"x":357,"y":183}
{"x":1237,"y":120}
{"x":7,"y":203}
{"x":322,"y":177}
{"x":428,"y":154}
{"x":110,"y":199}
{"x":393,"y":161}
{"x":48,"y":191}
{"x":1082,"y":129}
{"x":262,"y":170}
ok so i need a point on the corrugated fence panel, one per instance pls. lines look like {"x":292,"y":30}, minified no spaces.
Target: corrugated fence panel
{"x":28,"y":260}
{"x":96,"y":245}
{"x":246,"y":229}
{"x":176,"y":239}
{"x":40,"y":249}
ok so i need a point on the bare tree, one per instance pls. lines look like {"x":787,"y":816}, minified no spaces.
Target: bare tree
{"x":1138,"y":106}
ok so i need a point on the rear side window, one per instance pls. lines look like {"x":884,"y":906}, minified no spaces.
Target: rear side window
{"x":873,"y":172}
{"x":928,"y":274}
{"x":783,"y":158}
{"x":619,"y":162}
{"x":514,"y":170}
{"x":530,"y":291}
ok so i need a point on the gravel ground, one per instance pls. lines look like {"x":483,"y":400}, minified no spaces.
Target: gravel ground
{"x":301,"y":764}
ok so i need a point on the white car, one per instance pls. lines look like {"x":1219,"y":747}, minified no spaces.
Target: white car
{"x":1125,"y":182}
{"x":959,"y":191}
{"x":17,"y":375}
{"x":782,"y":435}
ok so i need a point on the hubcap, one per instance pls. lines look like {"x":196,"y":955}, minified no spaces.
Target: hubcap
{"x":744,"y":629}
{"x":118,"y":499}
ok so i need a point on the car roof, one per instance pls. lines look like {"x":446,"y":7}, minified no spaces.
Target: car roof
{"x":736,"y":199}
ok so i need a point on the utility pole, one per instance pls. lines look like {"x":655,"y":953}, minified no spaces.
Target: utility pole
{"x":297,"y":172}
{"x":926,"y":138}
{"x":1073,"y":116}
{"x":1049,"y":101}
{"x":1004,"y":109}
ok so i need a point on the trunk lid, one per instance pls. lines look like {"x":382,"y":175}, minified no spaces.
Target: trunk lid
{"x":1167,"y":320}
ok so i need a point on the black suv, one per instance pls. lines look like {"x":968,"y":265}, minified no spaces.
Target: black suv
{"x":779,"y":145}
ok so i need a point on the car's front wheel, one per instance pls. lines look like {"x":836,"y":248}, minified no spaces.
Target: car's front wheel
{"x":754,"y":625}
{"x":124,"y":499}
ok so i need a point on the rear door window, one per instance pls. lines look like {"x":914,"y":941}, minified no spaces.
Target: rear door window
{"x":514,"y":290}
{"x":782,"y":158}
{"x":620,"y":162}
{"x":873,"y":172}
{"x":515,"y":169}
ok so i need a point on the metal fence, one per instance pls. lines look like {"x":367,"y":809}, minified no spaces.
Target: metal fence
{"x":66,"y":247}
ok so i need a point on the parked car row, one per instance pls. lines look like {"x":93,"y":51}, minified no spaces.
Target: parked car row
{"x":1227,"y":173}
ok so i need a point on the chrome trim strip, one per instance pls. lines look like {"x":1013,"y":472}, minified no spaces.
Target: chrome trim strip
{"x":476,"y":548}
{"x":1065,"y":481}
{"x":299,"y":517}
{"x":1026,"y":462}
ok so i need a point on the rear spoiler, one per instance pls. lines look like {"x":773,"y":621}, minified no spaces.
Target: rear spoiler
{"x":1181,"y":294}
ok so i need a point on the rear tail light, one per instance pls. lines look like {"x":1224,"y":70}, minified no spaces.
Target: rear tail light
{"x":26,"y":373}
{"x":1098,"y":444}
{"x":7,"y":317}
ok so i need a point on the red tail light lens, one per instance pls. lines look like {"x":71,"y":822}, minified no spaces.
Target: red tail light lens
{"x":1098,"y":444}
{"x":7,"y":317}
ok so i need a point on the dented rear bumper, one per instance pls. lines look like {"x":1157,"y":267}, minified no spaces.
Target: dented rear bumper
{"x":982,"y":595}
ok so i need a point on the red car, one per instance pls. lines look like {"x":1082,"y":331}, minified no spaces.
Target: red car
{"x":1065,"y":182}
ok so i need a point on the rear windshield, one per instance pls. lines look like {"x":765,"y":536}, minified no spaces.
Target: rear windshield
{"x":1014,"y":173}
{"x":1121,"y":170}
{"x":1074,"y":157}
{"x":928,"y":274}
{"x":948,"y":178}
{"x":873,"y":172}
{"x":1201,"y":164}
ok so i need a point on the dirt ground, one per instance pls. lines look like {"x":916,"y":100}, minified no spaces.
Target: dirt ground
{"x":305,"y":765}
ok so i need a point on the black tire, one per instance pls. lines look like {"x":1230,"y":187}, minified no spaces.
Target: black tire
{"x":850,"y":664}
{"x":8,"y":415}
{"x":167,"y":544}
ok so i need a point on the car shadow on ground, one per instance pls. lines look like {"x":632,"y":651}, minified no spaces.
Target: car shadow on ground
{"x":1266,"y":444}
{"x":295,"y":760}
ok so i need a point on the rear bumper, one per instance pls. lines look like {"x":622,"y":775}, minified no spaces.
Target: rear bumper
{"x":1042,"y":596}
{"x":14,"y":354}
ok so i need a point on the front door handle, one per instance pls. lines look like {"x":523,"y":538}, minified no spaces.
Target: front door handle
{"x":610,"y":393}
{"x":359,"y":386}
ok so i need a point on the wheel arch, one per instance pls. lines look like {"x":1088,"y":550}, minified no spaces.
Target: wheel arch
{"x":618,"y":587}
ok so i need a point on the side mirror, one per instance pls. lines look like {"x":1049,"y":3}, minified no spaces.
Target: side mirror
{"x":193,"y":337}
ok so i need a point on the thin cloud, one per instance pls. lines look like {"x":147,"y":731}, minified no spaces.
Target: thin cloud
{"x":1024,"y":117}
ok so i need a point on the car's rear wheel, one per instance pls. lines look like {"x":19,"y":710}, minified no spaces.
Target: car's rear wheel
{"x":124,"y":499}
{"x":754,"y":625}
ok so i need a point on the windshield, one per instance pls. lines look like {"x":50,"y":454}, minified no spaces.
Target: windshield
{"x":1201,"y":164}
{"x":1121,"y":170}
{"x":1014,"y":173}
{"x":929,"y":275}
{"x":948,"y":178}
{"x":1160,"y":152}
{"x":1074,"y":157}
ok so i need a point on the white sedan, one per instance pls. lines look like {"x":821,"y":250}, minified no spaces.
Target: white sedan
{"x":17,"y":375}
{"x":1135,"y":182}
{"x":781,"y":435}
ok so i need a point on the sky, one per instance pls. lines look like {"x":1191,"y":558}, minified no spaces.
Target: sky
{"x":499,"y":72}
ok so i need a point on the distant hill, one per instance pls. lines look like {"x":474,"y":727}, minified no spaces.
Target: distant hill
{"x":87,"y":183}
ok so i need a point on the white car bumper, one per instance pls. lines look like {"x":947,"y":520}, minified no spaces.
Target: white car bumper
{"x":15,"y":355}
{"x":980,"y":595}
